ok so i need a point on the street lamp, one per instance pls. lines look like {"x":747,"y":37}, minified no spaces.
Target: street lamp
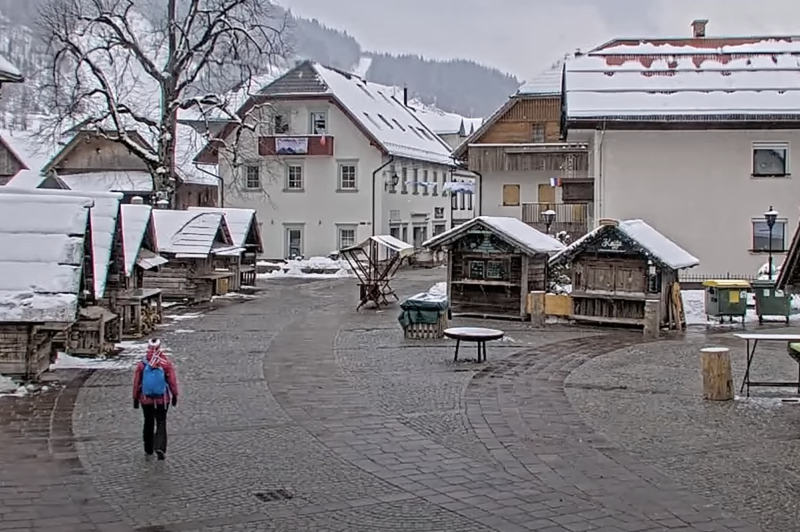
{"x":770,"y":216}
{"x":548,"y":217}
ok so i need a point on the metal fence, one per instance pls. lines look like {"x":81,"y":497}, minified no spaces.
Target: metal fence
{"x":694,"y":281}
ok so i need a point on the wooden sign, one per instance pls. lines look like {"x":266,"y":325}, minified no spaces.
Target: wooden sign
{"x":609,"y":244}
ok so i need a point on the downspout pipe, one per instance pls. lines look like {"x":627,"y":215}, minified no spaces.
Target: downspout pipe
{"x":374,"y":187}
{"x":480,"y":193}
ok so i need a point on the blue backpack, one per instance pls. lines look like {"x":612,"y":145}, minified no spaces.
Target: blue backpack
{"x":154,"y":381}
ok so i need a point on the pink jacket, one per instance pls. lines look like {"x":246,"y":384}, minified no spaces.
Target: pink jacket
{"x":156,"y":358}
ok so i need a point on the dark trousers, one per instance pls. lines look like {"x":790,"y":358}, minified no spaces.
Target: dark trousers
{"x":154,"y":432}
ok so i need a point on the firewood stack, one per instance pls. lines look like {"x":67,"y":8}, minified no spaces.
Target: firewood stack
{"x":150,"y":319}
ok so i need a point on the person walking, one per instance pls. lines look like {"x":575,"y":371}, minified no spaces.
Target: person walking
{"x":155,"y":387}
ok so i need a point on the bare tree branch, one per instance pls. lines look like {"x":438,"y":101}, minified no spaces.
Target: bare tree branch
{"x":122,"y":65}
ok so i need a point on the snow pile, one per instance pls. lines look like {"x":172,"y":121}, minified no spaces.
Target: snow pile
{"x":694,"y":306}
{"x":313,"y":268}
{"x":182,"y":317}
{"x":10,"y":388}
{"x":439,"y":289}
{"x":130,"y":354}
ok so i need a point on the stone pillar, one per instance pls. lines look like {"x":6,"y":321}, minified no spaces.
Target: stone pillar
{"x":536,"y":299}
{"x":717,"y":377}
{"x":652,"y":318}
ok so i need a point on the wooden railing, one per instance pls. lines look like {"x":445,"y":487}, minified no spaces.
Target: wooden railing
{"x":574,"y":218}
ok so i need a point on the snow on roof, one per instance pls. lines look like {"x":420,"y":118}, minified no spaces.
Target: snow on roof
{"x":8,"y":72}
{"x":111,"y":180}
{"x":188,"y":144}
{"x":660,"y":248}
{"x":135,"y":219}
{"x":187,"y":233}
{"x":546,"y":83}
{"x":41,"y":256}
{"x":515,"y":231}
{"x":239,"y":222}
{"x":442,"y":122}
{"x":396,"y":127}
{"x":667,"y":80}
{"x":104,"y":217}
{"x":34,"y":151}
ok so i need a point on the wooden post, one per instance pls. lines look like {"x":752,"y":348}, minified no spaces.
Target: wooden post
{"x":652,"y":318}
{"x":537,"y":308}
{"x":717,"y":378}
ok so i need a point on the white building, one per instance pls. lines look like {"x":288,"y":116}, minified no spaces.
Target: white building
{"x":329,"y":160}
{"x":695,"y":136}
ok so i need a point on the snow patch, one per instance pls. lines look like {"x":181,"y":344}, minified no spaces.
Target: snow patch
{"x":313,"y":268}
{"x":182,"y":317}
{"x":439,"y":289}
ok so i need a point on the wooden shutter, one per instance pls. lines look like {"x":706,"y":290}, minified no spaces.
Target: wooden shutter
{"x":510,"y":195}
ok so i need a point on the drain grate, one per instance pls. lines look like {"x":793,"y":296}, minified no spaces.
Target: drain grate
{"x":274,"y":495}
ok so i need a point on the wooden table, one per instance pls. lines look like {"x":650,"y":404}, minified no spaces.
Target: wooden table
{"x":751,"y":350}
{"x":479,"y":335}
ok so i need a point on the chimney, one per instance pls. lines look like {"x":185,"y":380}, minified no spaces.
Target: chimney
{"x":137,"y":200}
{"x":405,"y":95}
{"x":699,"y":28}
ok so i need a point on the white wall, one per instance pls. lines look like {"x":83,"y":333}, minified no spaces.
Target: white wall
{"x":529,"y":182}
{"x":696,"y":188}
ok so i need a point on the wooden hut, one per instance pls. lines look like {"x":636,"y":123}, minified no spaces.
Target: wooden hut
{"x":492,"y":265}
{"x":617,"y":267}
{"x":140,"y":308}
{"x":44,"y":244}
{"x":98,"y":327}
{"x":189,"y":240}
{"x":246,"y":236}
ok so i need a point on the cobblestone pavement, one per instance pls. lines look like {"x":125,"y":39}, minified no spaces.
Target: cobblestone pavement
{"x":299,"y":414}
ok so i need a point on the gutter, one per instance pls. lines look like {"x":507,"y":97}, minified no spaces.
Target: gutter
{"x":374,"y":177}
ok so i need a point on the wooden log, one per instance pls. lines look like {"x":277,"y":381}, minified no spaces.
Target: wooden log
{"x":717,"y":377}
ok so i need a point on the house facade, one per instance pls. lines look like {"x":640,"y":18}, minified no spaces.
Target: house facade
{"x":523,"y":166}
{"x":696,"y":136}
{"x":329,"y":160}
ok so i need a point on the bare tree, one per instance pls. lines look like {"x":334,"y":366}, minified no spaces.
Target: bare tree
{"x":122,"y":65}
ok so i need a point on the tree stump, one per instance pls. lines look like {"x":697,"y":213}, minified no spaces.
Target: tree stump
{"x":717,"y":377}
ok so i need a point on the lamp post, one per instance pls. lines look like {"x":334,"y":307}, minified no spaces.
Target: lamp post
{"x":548,"y":217}
{"x":770,"y":216}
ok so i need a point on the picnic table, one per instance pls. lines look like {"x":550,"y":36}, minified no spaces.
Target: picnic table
{"x":479,"y":335}
{"x":792,"y":342}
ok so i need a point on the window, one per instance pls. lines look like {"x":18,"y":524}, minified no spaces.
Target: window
{"x":347,"y":176}
{"x":438,"y":229}
{"x":510,"y":195}
{"x":404,"y":180}
{"x":770,"y":159}
{"x":405,"y":233}
{"x":453,"y":200}
{"x":415,"y":181}
{"x":392,"y":184}
{"x":394,"y":215}
{"x":761,"y":240}
{"x":436,"y":183}
{"x":319,"y":123}
{"x":420,"y":235}
{"x":252,"y":177}
{"x":438,"y":212}
{"x":294,"y":177}
{"x":470,"y":206}
{"x":395,"y":231}
{"x":462,"y":200}
{"x":280,"y":125}
{"x":538,"y":132}
{"x":294,"y":242}
{"x":347,"y":236}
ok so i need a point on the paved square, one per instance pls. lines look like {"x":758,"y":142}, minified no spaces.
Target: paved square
{"x":298,"y":414}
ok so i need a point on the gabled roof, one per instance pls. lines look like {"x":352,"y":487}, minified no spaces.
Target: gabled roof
{"x":41,"y":256}
{"x":136,"y":221}
{"x":548,"y":83}
{"x":242,"y":224}
{"x":81,"y":134}
{"x":104,"y":217}
{"x":129,"y":181}
{"x":521,"y":235}
{"x":32,"y":151}
{"x":190,"y":234}
{"x":731,"y":79}
{"x":9,"y":73}
{"x":652,"y":244}
{"x":391,"y":126}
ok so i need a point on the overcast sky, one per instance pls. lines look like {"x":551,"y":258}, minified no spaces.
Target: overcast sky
{"x":525,"y":36}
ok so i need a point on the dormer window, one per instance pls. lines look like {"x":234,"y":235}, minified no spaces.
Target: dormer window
{"x":280,"y":124}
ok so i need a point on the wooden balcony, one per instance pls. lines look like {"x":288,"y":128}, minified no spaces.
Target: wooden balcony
{"x":552,"y":157}
{"x":574,"y":218}
{"x":296,"y":145}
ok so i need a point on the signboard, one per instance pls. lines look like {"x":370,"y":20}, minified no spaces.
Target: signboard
{"x":609,"y":244}
{"x":291,"y":145}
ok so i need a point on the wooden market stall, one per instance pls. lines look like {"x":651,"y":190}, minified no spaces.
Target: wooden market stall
{"x":492,"y":265}
{"x":140,"y":308}
{"x":189,"y":240}
{"x":98,"y":327}
{"x":375,"y":262}
{"x":620,"y":265}
{"x":246,"y":237}
{"x":43,"y":256}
